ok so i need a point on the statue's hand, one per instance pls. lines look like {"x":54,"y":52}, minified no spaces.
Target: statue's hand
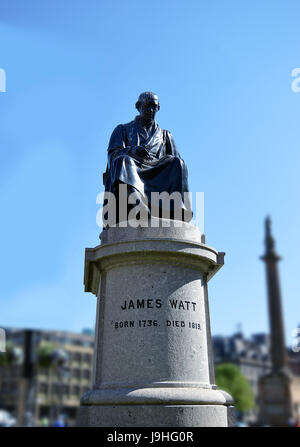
{"x":142,"y":152}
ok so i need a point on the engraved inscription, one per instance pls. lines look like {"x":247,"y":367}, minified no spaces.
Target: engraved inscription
{"x":151,"y":303}
{"x":184,"y":305}
{"x":157,"y":304}
{"x":141,"y":304}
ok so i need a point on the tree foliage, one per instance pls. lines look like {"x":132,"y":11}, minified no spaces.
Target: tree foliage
{"x":45,"y":354}
{"x":49,"y":356}
{"x":12,"y":355}
{"x":229,"y":378}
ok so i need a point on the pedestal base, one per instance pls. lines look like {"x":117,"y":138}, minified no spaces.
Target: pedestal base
{"x":153,"y":416}
{"x":167,"y":406}
{"x":153,"y":364}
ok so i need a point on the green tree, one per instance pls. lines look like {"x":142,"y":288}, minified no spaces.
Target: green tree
{"x":45,"y":355}
{"x":12,"y":355}
{"x":229,"y":378}
{"x":53,"y":359}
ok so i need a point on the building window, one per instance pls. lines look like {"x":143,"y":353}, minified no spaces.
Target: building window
{"x":76,"y":390}
{"x":54,"y":388}
{"x":87,"y":374}
{"x":43,"y":388}
{"x":87,"y":358}
{"x":66,"y":390}
{"x":76,"y":373}
{"x":77,"y":357}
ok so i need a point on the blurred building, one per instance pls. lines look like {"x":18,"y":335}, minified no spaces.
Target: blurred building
{"x":250,"y":355}
{"x":53,"y":391}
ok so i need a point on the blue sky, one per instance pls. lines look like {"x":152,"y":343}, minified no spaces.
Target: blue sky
{"x":74,"y":69}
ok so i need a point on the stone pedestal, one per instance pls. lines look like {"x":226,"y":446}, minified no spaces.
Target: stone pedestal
{"x":153,"y":362}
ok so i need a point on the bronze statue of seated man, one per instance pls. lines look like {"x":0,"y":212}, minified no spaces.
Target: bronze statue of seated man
{"x":144,"y":157}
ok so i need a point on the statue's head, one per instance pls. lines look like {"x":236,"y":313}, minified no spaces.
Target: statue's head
{"x":147,"y":105}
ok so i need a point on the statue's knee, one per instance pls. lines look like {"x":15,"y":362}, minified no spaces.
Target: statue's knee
{"x":121,"y":158}
{"x":178,"y":162}
{"x":118,"y":158}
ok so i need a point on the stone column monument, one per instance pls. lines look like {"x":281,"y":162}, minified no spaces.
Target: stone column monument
{"x":275,"y":388}
{"x":153,"y":362}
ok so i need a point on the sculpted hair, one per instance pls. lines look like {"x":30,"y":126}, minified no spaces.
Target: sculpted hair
{"x":144,"y":96}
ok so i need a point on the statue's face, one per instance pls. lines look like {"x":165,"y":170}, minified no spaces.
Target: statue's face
{"x":148,"y":109}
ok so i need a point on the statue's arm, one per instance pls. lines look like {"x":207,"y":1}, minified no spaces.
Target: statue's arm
{"x":118,"y":145}
{"x":171,"y":145}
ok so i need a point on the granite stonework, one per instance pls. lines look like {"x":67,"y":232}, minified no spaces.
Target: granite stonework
{"x":153,"y":362}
